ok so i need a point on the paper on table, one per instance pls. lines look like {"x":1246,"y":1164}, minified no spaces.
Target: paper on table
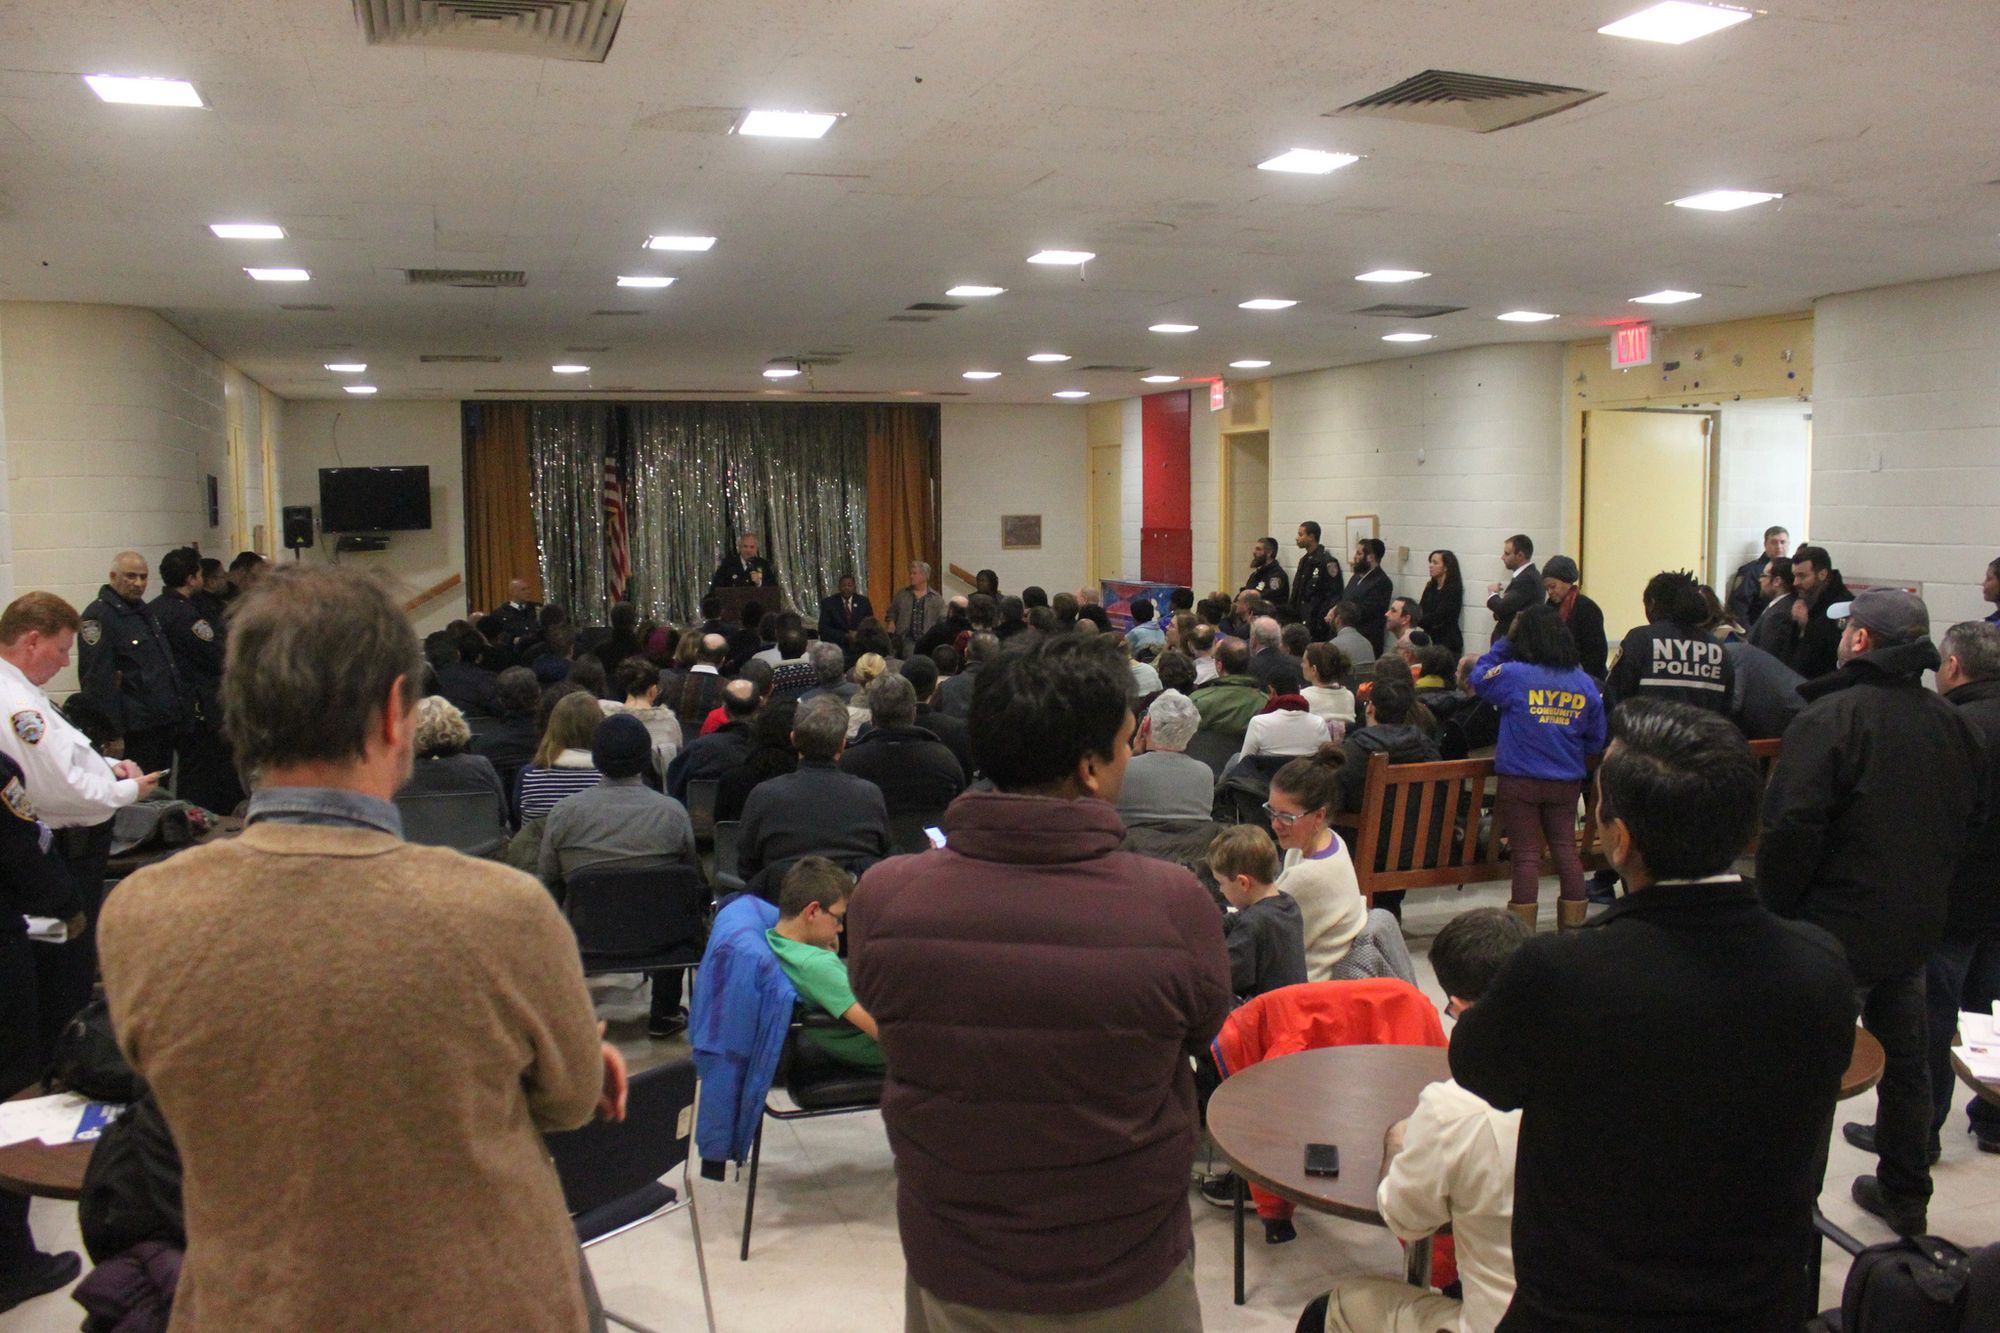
{"x":1979,"y":1045}
{"x":51,"y":1119}
{"x":1974,"y":1026}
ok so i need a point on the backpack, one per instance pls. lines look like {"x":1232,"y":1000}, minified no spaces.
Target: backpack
{"x":1919,"y":1284}
{"x":132,"y":1187}
{"x":86,"y":1059}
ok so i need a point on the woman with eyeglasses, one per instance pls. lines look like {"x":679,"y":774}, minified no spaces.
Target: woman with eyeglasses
{"x":1318,"y":872}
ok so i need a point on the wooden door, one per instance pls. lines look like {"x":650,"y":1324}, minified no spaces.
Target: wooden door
{"x":1645,"y":506}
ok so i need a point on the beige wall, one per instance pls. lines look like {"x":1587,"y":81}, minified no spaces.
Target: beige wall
{"x":1014,"y":460}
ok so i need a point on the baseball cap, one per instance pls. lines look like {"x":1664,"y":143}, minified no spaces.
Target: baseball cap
{"x":1889,"y":612}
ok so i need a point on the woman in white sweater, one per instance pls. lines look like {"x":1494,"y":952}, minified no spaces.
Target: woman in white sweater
{"x":1326,"y":693}
{"x":1318,"y":873}
{"x":1285,"y":727}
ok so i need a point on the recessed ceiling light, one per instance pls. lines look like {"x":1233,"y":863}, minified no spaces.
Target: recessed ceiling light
{"x":643,"y":280}
{"x":279,"y":274}
{"x":247,"y":231}
{"x":143,"y":91}
{"x":1172,"y":328}
{"x":570,"y":368}
{"x":1676,"y":21}
{"x":1061,"y":257}
{"x":1524,"y":316}
{"x":1724,"y":201}
{"x":680,"y":242}
{"x":1071,"y":393}
{"x":973,"y":289}
{"x":1248,"y":365}
{"x":1049,"y":358}
{"x":1391,"y":275}
{"x":1407,"y":337}
{"x":1307,"y":161}
{"x":982,"y":374}
{"x":359,"y":388}
{"x":781,"y":372}
{"x":788,"y":124}
{"x":1266,"y":303}
{"x":1666,"y":296}
{"x":1160,"y":379}
{"x":347,"y":367}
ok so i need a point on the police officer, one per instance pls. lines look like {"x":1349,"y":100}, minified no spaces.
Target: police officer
{"x":126,"y":668}
{"x":1317,"y":587}
{"x":1267,"y":577}
{"x":744,"y":568}
{"x":517,"y":618}
{"x":1670,"y":656}
{"x":207,"y":773}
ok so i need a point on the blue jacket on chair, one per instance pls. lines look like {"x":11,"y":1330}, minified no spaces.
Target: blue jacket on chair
{"x":737,"y":1017}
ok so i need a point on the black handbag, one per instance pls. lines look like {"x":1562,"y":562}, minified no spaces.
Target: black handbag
{"x":86,"y":1059}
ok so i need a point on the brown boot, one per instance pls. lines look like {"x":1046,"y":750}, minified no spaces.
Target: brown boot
{"x":1570,"y":915}
{"x":1526,"y":911}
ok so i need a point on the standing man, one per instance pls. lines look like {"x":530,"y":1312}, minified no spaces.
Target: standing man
{"x":127,"y":670}
{"x":1774,"y":631}
{"x":1818,"y":586}
{"x":1868,"y":810}
{"x":841,"y":614}
{"x":1317,"y":587}
{"x":1267,"y":577}
{"x":1371,"y":591}
{"x":518,"y":617}
{"x":1042,"y":1111}
{"x":1747,"y":597}
{"x":1522,"y":590}
{"x":208,"y":773}
{"x":744,"y":568}
{"x":411,"y":1141}
{"x":915,"y":608}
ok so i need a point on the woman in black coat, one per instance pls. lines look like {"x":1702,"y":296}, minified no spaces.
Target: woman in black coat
{"x":1584,"y":617}
{"x":1442,"y":602}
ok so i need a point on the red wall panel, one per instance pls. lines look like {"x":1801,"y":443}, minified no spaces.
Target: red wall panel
{"x":1166,"y":537}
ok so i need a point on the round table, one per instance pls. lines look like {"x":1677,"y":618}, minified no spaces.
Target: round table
{"x":1988,"y":1092}
{"x":36,"y":1169}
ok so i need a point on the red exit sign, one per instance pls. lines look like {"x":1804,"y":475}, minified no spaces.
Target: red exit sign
{"x":1632,"y":346}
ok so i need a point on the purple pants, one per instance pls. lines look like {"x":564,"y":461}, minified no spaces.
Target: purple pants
{"x":1530,"y":809}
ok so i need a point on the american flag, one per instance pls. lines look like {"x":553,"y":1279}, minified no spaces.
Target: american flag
{"x":617,"y":547}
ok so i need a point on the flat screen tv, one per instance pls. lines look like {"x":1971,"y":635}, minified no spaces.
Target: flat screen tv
{"x":374,"y":499}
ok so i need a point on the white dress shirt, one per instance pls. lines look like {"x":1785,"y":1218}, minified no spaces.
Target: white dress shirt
{"x":1457,"y":1166}
{"x":1285,"y":732}
{"x":71,"y":784}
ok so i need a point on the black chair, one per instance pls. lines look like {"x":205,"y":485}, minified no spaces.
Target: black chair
{"x":728,"y":835}
{"x":818,"y":1085}
{"x":906,"y":831}
{"x":611,"y":1173}
{"x":1215,"y":748}
{"x":466,"y":821}
{"x":701,"y":808}
{"x":649,"y":919}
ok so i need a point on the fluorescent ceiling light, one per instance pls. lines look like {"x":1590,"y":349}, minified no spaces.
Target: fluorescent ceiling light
{"x":1524,"y":316}
{"x":347,"y":367}
{"x":643,"y":280}
{"x":1266,"y":303}
{"x":1061,"y":257}
{"x":973,"y":289}
{"x":1248,"y":365}
{"x":1407,"y":337}
{"x":680,"y":242}
{"x":1161,"y":379}
{"x":1676,"y":21}
{"x":1307,"y":162}
{"x":570,"y":368}
{"x":788,"y":124}
{"x":247,"y":231}
{"x":781,"y":372}
{"x":982,"y":374}
{"x":1049,"y":358}
{"x":279,"y":274}
{"x":360,"y":388}
{"x":1071,"y":393}
{"x":1172,"y":328}
{"x":1391,"y":275}
{"x":1667,"y":296}
{"x":1724,"y":201}
{"x":143,"y":91}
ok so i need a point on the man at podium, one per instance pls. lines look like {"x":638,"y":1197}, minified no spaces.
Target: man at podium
{"x":744,"y":568}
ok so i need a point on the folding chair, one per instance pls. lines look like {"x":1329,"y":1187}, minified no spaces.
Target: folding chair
{"x":1215,"y":748}
{"x":466,"y":821}
{"x":728,"y":834}
{"x":701,"y":807}
{"x":611,"y":1173}
{"x":818,"y":1085}
{"x":650,"y":919}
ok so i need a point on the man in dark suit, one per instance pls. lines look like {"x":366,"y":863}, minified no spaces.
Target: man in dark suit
{"x":720,"y":750}
{"x":816,"y":810}
{"x":841,"y":614}
{"x":1372,"y":590}
{"x":744,"y":568}
{"x":917,"y":772}
{"x":922,"y":673}
{"x":1747,"y":598}
{"x":1522,"y":591}
{"x":518,"y":617}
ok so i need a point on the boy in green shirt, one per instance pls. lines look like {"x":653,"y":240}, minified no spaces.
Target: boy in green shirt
{"x":812,"y":904}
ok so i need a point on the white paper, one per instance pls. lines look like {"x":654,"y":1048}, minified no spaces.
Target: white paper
{"x":53,"y":1120}
{"x":1976,"y":1028}
{"x":47,"y":929}
{"x":1983,"y":1061}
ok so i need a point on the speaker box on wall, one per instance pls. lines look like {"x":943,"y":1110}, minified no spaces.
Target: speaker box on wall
{"x":298,"y":527}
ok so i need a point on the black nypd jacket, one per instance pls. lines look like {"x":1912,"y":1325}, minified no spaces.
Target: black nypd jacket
{"x":126,"y":667}
{"x":1667,"y":661}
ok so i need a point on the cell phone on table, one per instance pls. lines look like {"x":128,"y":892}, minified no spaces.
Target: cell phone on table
{"x":936,"y":835}
{"x":1322,"y":1159}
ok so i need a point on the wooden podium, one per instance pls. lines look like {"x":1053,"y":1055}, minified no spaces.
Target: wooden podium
{"x":770,"y":597}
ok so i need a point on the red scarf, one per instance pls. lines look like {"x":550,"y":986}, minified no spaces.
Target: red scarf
{"x":1567,"y":604}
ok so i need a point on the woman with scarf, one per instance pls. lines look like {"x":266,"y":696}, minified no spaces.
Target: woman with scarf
{"x":1583,"y":616}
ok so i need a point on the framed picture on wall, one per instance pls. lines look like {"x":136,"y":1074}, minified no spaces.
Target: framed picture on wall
{"x":1360,"y":526}
{"x":1020,"y":532}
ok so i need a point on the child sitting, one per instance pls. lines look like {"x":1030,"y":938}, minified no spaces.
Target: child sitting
{"x":812,"y":904}
{"x":1266,"y":933}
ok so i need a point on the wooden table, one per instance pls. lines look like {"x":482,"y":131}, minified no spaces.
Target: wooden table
{"x":1988,"y":1092}
{"x":38,"y":1170}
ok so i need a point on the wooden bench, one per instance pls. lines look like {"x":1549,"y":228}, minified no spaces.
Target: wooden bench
{"x":1424,"y":825}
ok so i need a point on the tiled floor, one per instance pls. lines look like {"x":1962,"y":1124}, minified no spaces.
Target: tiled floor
{"x":826,"y":1259}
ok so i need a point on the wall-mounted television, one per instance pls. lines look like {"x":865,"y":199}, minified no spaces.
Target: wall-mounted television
{"x":374,"y":499}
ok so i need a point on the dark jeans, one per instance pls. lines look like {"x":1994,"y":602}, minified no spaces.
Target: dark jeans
{"x":65,"y":974}
{"x":666,"y":1003}
{"x":1893,"y":1012}
{"x":1961,"y":974}
{"x":1530,"y":809}
{"x":20,"y":1064}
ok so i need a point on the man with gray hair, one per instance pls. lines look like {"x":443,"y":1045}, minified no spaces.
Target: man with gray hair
{"x":829,"y":666}
{"x":916,"y":771}
{"x":817,"y":810}
{"x":431,"y":990}
{"x":915,"y":608}
{"x":1269,"y":663}
{"x":126,"y":667}
{"x":1164,"y":784}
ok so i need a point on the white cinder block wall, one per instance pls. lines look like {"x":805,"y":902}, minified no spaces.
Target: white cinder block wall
{"x":1906,"y":437}
{"x":1763,"y":478}
{"x":1458,"y":450}
{"x":114,"y":422}
{"x":997,"y":459}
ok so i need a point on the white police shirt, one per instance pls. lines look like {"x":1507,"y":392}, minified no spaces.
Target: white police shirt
{"x":71,"y":784}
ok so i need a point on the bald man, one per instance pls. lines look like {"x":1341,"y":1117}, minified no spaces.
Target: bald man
{"x":127,"y":669}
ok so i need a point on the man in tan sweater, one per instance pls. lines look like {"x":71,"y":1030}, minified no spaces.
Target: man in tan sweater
{"x":357,"y":1042}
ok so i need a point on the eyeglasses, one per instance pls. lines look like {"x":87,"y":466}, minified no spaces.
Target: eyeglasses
{"x":1285,"y":817}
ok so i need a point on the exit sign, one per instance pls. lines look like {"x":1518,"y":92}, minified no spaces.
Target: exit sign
{"x":1218,"y":396}
{"x":1632,"y":346}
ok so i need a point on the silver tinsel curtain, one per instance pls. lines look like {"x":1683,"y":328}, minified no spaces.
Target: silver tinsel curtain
{"x":698,"y":475}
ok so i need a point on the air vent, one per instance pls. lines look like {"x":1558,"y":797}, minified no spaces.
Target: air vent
{"x":911,"y":319}
{"x":1475,"y":102}
{"x":459,"y":359}
{"x":1391,"y":311}
{"x":318,"y":309}
{"x":547,"y":29}
{"x":1121,"y":370}
{"x":605,"y":348}
{"x":596,"y":313}
{"x":935,"y":305}
{"x":465,"y":277}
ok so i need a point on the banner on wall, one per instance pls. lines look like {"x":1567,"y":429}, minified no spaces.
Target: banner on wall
{"x":1117,"y":594}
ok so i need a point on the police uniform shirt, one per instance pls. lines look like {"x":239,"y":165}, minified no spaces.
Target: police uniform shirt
{"x":733,"y":572}
{"x":125,"y":667}
{"x":32,"y":881}
{"x":1270,"y":582}
{"x":72,"y":783}
{"x":196,"y":642}
{"x":1670,"y":662}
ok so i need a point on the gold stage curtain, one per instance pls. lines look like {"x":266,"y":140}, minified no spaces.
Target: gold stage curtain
{"x":500,"y":541}
{"x":902,"y":497}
